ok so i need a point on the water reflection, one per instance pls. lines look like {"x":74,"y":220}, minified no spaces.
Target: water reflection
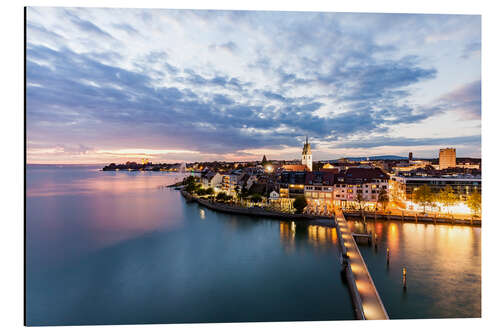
{"x":443,"y":265}
{"x":83,"y":210}
{"x":316,"y":235}
{"x":63,"y":181}
{"x":128,"y":255}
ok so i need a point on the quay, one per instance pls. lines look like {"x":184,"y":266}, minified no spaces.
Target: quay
{"x":259,"y":212}
{"x":366,"y":300}
{"x":414,"y":218}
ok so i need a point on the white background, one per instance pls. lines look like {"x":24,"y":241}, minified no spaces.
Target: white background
{"x":12,"y":154}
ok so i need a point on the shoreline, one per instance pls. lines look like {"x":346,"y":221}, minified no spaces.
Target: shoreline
{"x":325,"y":220}
{"x":415,"y":218}
{"x":260,"y":212}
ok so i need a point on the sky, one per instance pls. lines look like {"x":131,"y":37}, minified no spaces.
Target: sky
{"x":115,"y":85}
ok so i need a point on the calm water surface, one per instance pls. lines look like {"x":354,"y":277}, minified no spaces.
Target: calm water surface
{"x":114,"y":248}
{"x":443,"y":266}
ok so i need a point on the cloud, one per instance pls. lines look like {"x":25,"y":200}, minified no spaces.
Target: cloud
{"x":157,"y":79}
{"x":464,"y":100}
{"x":229,"y":46}
{"x":381,"y":141}
{"x":87,"y":26}
{"x":472,"y":48}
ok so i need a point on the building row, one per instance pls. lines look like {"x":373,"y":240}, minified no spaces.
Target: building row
{"x":345,"y":188}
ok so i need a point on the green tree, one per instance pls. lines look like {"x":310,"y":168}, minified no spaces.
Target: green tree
{"x":256,"y":198}
{"x":383,"y":199}
{"x":300,"y":203}
{"x":423,"y":196}
{"x":189,"y":180}
{"x":221,"y":196}
{"x":192,"y":187}
{"x":474,"y":202}
{"x":447,"y":197}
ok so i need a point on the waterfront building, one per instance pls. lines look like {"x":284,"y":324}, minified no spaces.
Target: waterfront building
{"x":230,"y":182}
{"x":447,"y":158}
{"x":307,"y":155}
{"x":353,"y":181}
{"x":402,"y":187}
{"x":211,"y":179}
{"x":274,"y":196}
{"x":291,"y":184}
{"x":318,"y":189}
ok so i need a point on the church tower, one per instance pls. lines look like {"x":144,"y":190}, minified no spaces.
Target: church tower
{"x":307,"y":155}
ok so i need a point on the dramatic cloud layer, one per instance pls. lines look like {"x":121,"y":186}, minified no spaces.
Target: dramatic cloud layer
{"x":112,"y":84}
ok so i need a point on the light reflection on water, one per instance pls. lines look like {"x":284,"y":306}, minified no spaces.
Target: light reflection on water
{"x":443,"y":265}
{"x":118,"y":249}
{"x":114,"y":248}
{"x":95,"y":181}
{"x":320,"y":237}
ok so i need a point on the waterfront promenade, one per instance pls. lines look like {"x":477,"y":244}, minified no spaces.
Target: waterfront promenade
{"x":413,"y":217}
{"x":367,"y":302}
{"x":259,"y":211}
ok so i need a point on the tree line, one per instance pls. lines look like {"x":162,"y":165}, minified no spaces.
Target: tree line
{"x":425,"y":197}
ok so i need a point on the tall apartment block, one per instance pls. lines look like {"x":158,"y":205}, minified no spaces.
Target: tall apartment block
{"x":447,"y":158}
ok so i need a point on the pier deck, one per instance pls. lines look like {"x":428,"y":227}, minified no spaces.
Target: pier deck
{"x":371,"y":304}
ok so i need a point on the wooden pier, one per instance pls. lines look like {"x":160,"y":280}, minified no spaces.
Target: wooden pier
{"x":366,"y":300}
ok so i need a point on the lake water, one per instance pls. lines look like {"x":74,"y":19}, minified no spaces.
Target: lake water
{"x":115,"y":248}
{"x":443,"y":265}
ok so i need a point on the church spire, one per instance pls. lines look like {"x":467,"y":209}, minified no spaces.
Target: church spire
{"x":307,"y":154}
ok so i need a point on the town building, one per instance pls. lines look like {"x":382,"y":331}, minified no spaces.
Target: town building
{"x":291,"y":184}
{"x":447,"y":158}
{"x":403,"y":187}
{"x":318,"y":190}
{"x":273,"y":196}
{"x":230,"y":183}
{"x":307,"y":155}
{"x":294,"y":167}
{"x":211,"y":179}
{"x":356,"y":186}
{"x":329,"y":168}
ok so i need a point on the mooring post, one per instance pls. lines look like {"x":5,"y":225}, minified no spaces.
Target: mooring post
{"x":388,"y":256}
{"x":404,"y":278}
